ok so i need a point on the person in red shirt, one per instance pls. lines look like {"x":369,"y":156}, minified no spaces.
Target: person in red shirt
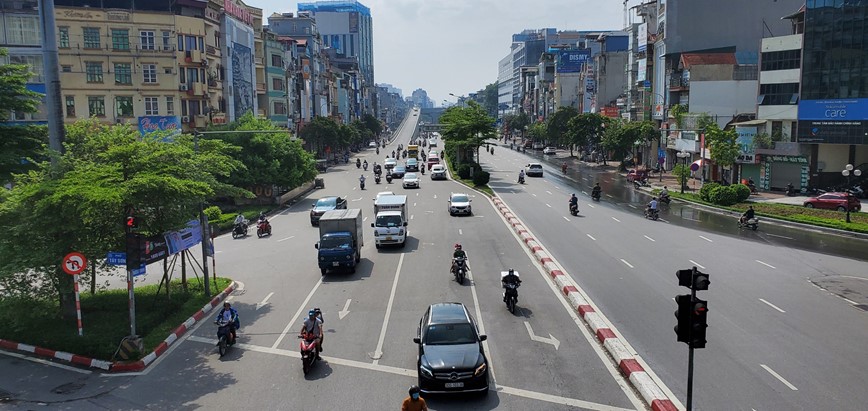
{"x":414,"y":402}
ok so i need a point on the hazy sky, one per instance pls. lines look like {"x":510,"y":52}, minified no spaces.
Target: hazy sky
{"x":453,"y":46}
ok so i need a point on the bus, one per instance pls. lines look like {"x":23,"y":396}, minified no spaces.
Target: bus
{"x":412,"y":151}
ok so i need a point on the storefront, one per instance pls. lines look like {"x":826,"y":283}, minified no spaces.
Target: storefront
{"x":777,"y":171}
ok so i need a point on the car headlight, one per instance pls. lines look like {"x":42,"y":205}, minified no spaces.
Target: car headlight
{"x":401,"y":232}
{"x":322,"y":258}
{"x":480,"y":370}
{"x":426,"y":371}
{"x":349,"y":256}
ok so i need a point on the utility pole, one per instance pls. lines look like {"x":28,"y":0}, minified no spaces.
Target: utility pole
{"x":56,"y":131}
{"x":203,"y":225}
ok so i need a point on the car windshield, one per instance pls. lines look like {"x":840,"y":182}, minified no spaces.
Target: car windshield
{"x":459,"y":199}
{"x":335,"y":242}
{"x":442,"y":334}
{"x":399,"y":168}
{"x":535,"y":166}
{"x":327,"y":202}
{"x":410,"y":176}
{"x":388,"y":220}
{"x":411,"y":161}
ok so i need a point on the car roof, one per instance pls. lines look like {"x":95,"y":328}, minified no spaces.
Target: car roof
{"x":534,"y":164}
{"x":438,"y":166}
{"x":447,"y":313}
{"x":409,"y":175}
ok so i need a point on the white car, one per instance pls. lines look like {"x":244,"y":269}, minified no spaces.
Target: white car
{"x":549,"y":150}
{"x":411,"y":180}
{"x":372,"y":144}
{"x":432,"y":142}
{"x":390,"y":163}
{"x":459,"y":203}
{"x":438,"y":172}
{"x":538,"y":146}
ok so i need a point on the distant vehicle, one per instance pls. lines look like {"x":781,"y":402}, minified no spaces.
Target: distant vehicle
{"x":432,"y":142}
{"x":326,"y":204}
{"x":549,"y":150}
{"x":634,"y":175}
{"x":399,"y":171}
{"x":372,"y":144}
{"x":340,"y":240}
{"x":528,"y":144}
{"x":534,"y":170}
{"x":459,"y":203}
{"x":834,"y":201}
{"x":538,"y":146}
{"x":390,"y":163}
{"x":411,"y":180}
{"x":412,"y":151}
{"x":438,"y":172}
{"x":412,"y":164}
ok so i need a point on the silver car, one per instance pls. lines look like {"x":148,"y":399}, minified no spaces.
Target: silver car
{"x":438,"y":172}
{"x":459,"y":203}
{"x":411,"y":180}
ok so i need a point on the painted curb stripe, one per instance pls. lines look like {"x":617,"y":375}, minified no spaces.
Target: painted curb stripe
{"x":630,"y":366}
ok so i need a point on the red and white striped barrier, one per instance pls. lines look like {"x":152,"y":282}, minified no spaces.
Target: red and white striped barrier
{"x":626,"y":360}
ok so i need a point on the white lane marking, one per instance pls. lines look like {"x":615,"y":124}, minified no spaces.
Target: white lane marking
{"x":706,"y":239}
{"x":667,"y":222}
{"x":417,"y":195}
{"x":548,"y":192}
{"x":613,"y":218}
{"x":548,"y":205}
{"x":297,"y":314}
{"x":358,"y":199}
{"x":365,"y":219}
{"x":628,"y":264}
{"x":565,"y":218}
{"x":284,"y":239}
{"x":631,"y":205}
{"x":414,"y":204}
{"x":355,"y":188}
{"x":772,"y":305}
{"x":343,"y":313}
{"x":533,"y":194}
{"x":609,"y":195}
{"x":379,"y":352}
{"x":778,"y":376}
{"x":551,"y":340}
{"x":850,"y":301}
{"x":652,"y":240}
{"x":46,"y":362}
{"x":218,"y":252}
{"x":591,"y":205}
{"x":779,"y":236}
{"x":591,"y":237}
{"x":766,"y":264}
{"x":480,"y":324}
{"x":435,"y":195}
{"x":557,"y":400}
{"x":691,"y":219}
{"x":460,"y":232}
{"x":696,"y":264}
{"x":264,"y":301}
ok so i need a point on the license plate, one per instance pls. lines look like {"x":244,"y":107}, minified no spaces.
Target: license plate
{"x":388,"y":238}
{"x":335,"y":264}
{"x":454,"y":384}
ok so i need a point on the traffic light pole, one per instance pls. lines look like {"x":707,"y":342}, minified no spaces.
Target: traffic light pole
{"x":132,"y":294}
{"x":690,"y":358}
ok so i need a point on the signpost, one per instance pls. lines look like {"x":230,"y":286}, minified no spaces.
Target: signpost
{"x":73,"y":264}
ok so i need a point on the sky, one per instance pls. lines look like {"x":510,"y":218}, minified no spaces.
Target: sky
{"x":454,"y":46}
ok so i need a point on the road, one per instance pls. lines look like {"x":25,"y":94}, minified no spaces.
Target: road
{"x":776,"y":340}
{"x":542,"y":357}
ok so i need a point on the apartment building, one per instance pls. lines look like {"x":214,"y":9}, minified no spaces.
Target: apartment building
{"x":20,"y":36}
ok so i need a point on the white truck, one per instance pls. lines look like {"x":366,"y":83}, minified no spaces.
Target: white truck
{"x":390,"y":224}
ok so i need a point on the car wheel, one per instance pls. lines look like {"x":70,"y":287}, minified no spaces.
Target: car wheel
{"x":809,"y":205}
{"x":841,"y":208}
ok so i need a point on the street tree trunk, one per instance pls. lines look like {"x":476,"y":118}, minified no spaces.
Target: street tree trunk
{"x":66,"y":291}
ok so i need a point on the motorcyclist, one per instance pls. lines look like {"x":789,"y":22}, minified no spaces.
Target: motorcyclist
{"x":358,"y":163}
{"x":664,"y":192}
{"x":564,"y":167}
{"x":458,"y":252}
{"x":377,"y":169}
{"x":362,"y":181}
{"x":574,"y":201}
{"x":511,"y":278}
{"x":378,"y":149}
{"x":313,"y":325}
{"x":240,"y":221}
{"x":596,"y":191}
{"x":521,"y":176}
{"x":229,"y":315}
{"x":365,"y":165}
{"x":414,"y":402}
{"x":747,"y":215}
{"x":652,"y":206}
{"x":751,"y":184}
{"x":393,"y":153}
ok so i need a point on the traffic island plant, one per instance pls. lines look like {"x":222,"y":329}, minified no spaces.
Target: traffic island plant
{"x":105,"y":318}
{"x":479,"y":181}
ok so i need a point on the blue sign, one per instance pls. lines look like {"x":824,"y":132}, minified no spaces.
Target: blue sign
{"x":150,"y":124}
{"x":572,"y":61}
{"x":647,"y":83}
{"x":116,"y":258}
{"x":854,"y":109}
{"x":139,"y":271}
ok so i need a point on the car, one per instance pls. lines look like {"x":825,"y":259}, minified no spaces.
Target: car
{"x":399,"y":171}
{"x":538,"y":146}
{"x":412,"y":164}
{"x":326,"y":204}
{"x":372,"y":144}
{"x":637,"y":175}
{"x":451,"y":356}
{"x":438,"y":172}
{"x":549,"y":150}
{"x":834,"y":201}
{"x":390,"y":163}
{"x":411,"y":180}
{"x":432,"y":142}
{"x":528,"y":144}
{"x":459,"y":203}
{"x":534,"y":170}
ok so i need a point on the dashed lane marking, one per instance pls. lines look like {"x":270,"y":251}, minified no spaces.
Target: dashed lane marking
{"x":649,"y":238}
{"x":772,"y":305}
{"x":766,"y":264}
{"x":613,"y":218}
{"x":706,"y":239}
{"x":591,"y":237}
{"x":696,"y":264}
{"x":287,"y":238}
{"x":778,"y":376}
{"x":628,"y":264}
{"x":565,"y":218}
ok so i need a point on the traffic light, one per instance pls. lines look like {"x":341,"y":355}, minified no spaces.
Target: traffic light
{"x":692,"y":312}
{"x":693,"y":279}
{"x":698,"y":322}
{"x":700,"y":281}
{"x":132,"y":222}
{"x":682,"y":329}
{"x":135,"y":250}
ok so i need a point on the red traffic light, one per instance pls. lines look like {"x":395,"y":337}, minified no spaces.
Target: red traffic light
{"x":132,"y":222}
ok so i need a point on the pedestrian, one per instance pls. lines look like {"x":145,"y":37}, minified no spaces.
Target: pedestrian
{"x":414,"y":402}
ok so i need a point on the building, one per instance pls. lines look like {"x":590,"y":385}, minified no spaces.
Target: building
{"x":302,"y":30}
{"x":277,"y":78}
{"x":420,"y":99}
{"x":22,"y":39}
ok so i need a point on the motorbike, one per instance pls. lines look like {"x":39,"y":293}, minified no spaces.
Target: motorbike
{"x":752,"y":223}
{"x":521,"y":179}
{"x":358,"y":163}
{"x":376,"y":178}
{"x":378,"y":150}
{"x":388,"y":179}
{"x":459,"y":269}
{"x":665,"y":199}
{"x":362,"y":184}
{"x":224,"y":334}
{"x":564,"y":168}
{"x":365,"y":166}
{"x":574,"y":209}
{"x":653,"y":214}
{"x":263,"y":228}
{"x":641,"y":183}
{"x":595,"y":195}
{"x":240,"y":230}
{"x":510,"y":295}
{"x":308,"y":350}
{"x":791,"y":191}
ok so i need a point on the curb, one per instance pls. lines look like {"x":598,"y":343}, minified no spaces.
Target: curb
{"x":118,"y":366}
{"x":627,"y":363}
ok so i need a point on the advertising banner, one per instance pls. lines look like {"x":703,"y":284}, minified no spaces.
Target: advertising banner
{"x":242,"y":78}
{"x":642,"y":37}
{"x":155,"y":249}
{"x":745,"y":145}
{"x":833,"y":121}
{"x":571,"y":61}
{"x":169,"y":124}
{"x":641,"y":72}
{"x":181,"y":240}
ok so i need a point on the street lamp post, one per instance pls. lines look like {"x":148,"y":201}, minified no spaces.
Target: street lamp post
{"x":683,"y":155}
{"x":847,"y":172}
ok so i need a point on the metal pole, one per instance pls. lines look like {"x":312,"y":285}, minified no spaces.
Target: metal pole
{"x":203,"y":225}
{"x":690,"y":348}
{"x":51,"y":72}
{"x":77,"y":306}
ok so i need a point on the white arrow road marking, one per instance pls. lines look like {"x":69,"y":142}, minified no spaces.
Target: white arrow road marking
{"x":284,"y":239}
{"x":548,"y":192}
{"x":696,"y":264}
{"x":625,"y":262}
{"x":652,"y":240}
{"x":551,"y":340}
{"x":766,"y":264}
{"x":343,"y":313}
{"x":358,"y":199}
{"x":565,"y":218}
{"x":772,"y":372}
{"x":548,"y":205}
{"x":613,"y":218}
{"x":772,"y":305}
{"x":706,"y":239}
{"x":591,"y":237}
{"x":264,"y":301}
{"x":379,"y":352}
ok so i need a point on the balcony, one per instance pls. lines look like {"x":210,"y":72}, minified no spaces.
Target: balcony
{"x":212,"y":51}
{"x":193,"y":56}
{"x":260,"y":87}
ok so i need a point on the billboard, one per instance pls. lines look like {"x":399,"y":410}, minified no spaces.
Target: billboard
{"x":242,"y":79}
{"x":641,"y":72}
{"x":177,"y":241}
{"x":642,"y":37}
{"x":571,"y":61}
{"x":833,"y":121}
{"x":150,"y":124}
{"x":745,"y":144}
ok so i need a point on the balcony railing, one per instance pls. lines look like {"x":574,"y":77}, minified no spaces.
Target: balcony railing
{"x":211,"y":50}
{"x":260,"y":87}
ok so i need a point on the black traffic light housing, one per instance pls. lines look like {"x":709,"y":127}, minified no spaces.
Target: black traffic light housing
{"x":692,"y":312}
{"x":698,"y":323}
{"x":135,"y":250}
{"x":682,"y":329}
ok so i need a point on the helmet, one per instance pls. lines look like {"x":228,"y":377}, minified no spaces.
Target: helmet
{"x":511,"y":271}
{"x":414,"y":389}
{"x":653,"y":198}
{"x":457,"y":245}
{"x":311,"y":313}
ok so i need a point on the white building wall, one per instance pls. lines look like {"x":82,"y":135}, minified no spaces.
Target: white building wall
{"x":782,"y":43}
{"x":723,"y":99}
{"x":788,"y":112}
{"x":780,"y":76}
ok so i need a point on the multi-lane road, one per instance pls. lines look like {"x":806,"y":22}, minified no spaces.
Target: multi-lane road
{"x":776,"y":341}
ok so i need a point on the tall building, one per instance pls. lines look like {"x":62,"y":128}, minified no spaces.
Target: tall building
{"x":420,"y":99}
{"x":303,"y":29}
{"x":20,"y":36}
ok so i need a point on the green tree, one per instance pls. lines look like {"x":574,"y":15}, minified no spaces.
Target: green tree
{"x":320,"y":133}
{"x":467,"y":127}
{"x":20,"y":146}
{"x":557,"y":125}
{"x":585,"y":128}
{"x":722,"y":144}
{"x":538,"y":131}
{"x":80,"y":203}
{"x":371,"y":123}
{"x":489,"y":99}
{"x":517,"y":122}
{"x":621,"y":138}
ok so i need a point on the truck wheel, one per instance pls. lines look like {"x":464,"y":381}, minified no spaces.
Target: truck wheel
{"x":323,"y":271}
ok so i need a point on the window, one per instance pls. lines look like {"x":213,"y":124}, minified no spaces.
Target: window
{"x":94,"y":72}
{"x":91,"y":37}
{"x":167,"y":70}
{"x":781,"y":60}
{"x":149,"y":73}
{"x":194,"y":108}
{"x":120,"y":39}
{"x":147,"y":38}
{"x":277,"y":84}
{"x":23,"y":30}
{"x":170,"y":106}
{"x":192,"y":76}
{"x":276,"y":60}
{"x":64,"y":38}
{"x":96,"y":106}
{"x":70,"y":106}
{"x":34,"y":63}
{"x":152,"y":106}
{"x":352,"y":46}
{"x":123,"y":73}
{"x":279,"y":108}
{"x":167,"y":40}
{"x":66,"y":69}
{"x":123,"y":106}
{"x":778,"y":94}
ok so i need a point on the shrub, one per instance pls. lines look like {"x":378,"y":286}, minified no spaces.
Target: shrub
{"x":464,"y":171}
{"x":481,"y":178}
{"x":723,"y":195}
{"x":705,"y":191}
{"x":742,"y":191}
{"x":213,"y":213}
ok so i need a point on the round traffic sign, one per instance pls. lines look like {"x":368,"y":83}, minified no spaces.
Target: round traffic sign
{"x":694,"y":167}
{"x":74,"y":263}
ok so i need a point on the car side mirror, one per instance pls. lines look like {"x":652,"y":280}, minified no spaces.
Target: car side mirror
{"x":405,"y":223}
{"x":312,"y":205}
{"x":316,"y":246}
{"x":417,"y":340}
{"x":469,"y":201}
{"x":372,"y":224}
{"x":482,"y":337}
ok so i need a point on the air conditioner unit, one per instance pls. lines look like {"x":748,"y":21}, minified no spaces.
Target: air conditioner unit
{"x":205,"y":62}
{"x":185,"y":119}
{"x":182,"y":87}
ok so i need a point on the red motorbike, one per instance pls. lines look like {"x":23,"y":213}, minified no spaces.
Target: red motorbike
{"x":263,"y":228}
{"x":309,"y":354}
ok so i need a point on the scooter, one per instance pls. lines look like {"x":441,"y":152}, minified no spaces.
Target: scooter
{"x":365,"y":165}
{"x":224,"y":334}
{"x":358,"y":163}
{"x":510,"y":295}
{"x":595,"y":195}
{"x":376,"y":178}
{"x":521,"y":179}
{"x":240,"y":230}
{"x":574,"y":209}
{"x":362,"y":184}
{"x":665,"y":199}
{"x":263,"y":228}
{"x":378,"y":150}
{"x":460,"y":270}
{"x":652,"y":214}
{"x":308,"y":350}
{"x":752,"y":223}
{"x":388,"y":179}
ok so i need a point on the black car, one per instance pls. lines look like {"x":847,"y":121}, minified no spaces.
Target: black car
{"x":326,"y":204}
{"x":399,"y":171}
{"x":451,"y":357}
{"x":412,"y":164}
